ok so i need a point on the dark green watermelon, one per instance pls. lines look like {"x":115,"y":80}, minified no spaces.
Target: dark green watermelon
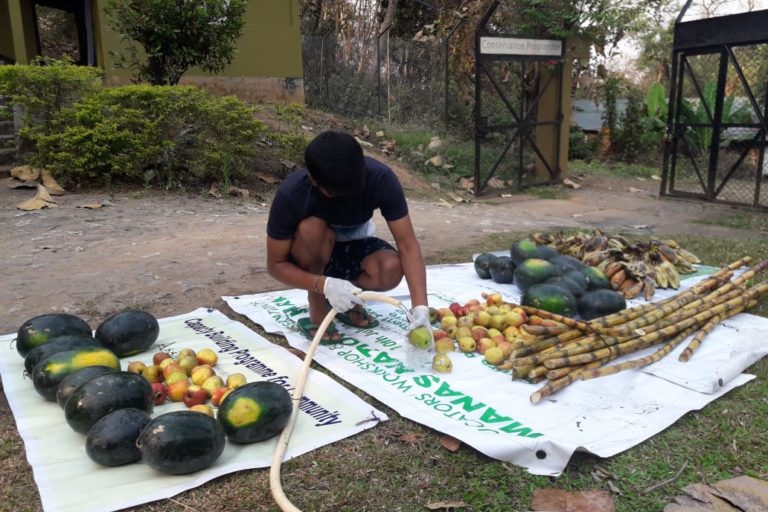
{"x":112,"y":440}
{"x":181,"y":442}
{"x":482,"y":265}
{"x":128,"y":332}
{"x":502,"y":270}
{"x":43,"y":329}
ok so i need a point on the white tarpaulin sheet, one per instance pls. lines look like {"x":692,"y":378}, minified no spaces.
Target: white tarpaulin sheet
{"x":484,"y":408}
{"x":69,"y":481}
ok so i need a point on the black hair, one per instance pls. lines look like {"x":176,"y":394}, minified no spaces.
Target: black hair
{"x":335,"y":161}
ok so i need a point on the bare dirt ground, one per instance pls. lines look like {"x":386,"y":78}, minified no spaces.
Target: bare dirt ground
{"x":170,"y":254}
{"x":173,"y":253}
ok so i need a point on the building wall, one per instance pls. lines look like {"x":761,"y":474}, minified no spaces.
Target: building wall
{"x":267,"y":65}
{"x":6,"y":36}
{"x":17,"y":33}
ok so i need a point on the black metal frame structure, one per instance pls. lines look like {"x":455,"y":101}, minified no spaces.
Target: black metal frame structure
{"x":81,"y":9}
{"x":523,"y":119}
{"x":719,"y":39}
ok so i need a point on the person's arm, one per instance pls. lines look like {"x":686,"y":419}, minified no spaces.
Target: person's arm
{"x":281,"y":267}
{"x":411,"y":258}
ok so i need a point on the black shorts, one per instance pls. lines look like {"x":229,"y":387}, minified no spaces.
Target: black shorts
{"x":347,"y":257}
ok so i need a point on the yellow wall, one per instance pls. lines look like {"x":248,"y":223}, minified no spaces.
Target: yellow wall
{"x":6,"y":36}
{"x":18,"y":35}
{"x":267,"y":63}
{"x":270,"y":46}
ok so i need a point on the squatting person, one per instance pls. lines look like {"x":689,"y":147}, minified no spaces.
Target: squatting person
{"x":320,"y":235}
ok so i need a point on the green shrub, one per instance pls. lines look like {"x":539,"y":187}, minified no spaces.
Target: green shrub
{"x":580,"y":147}
{"x":45,"y":88}
{"x":170,"y":135}
{"x":639,"y":139}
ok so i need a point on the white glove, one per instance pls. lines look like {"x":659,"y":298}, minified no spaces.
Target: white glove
{"x":341,"y":294}
{"x":420,"y":318}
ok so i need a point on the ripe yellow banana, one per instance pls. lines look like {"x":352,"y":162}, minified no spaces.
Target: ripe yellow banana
{"x":688,"y":256}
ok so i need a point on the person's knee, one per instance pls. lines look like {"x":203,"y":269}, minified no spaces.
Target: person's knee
{"x":391,"y":272}
{"x":313,"y":243}
{"x":314,"y":230}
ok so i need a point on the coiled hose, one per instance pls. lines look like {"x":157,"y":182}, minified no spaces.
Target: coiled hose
{"x":282,"y":444}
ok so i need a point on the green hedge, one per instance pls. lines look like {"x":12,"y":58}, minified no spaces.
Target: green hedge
{"x":166,"y":135}
{"x":45,"y":88}
{"x":160,"y":136}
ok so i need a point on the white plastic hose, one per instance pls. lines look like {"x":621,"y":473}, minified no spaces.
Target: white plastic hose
{"x":282,"y":444}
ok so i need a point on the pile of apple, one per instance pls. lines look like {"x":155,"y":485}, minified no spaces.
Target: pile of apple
{"x":491,"y":327}
{"x":190,"y":378}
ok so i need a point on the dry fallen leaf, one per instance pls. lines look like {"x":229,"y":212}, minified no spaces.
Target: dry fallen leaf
{"x":558,"y":500}
{"x":42,"y":193}
{"x":434,"y":143}
{"x":214,"y":191}
{"x":266,"y":179}
{"x":239,"y":192}
{"x":25,"y":173}
{"x":437,"y":505}
{"x":410,"y":438}
{"x":450,"y":443}
{"x":635,"y":190}
{"x":467,"y":183}
{"x":23,"y":184}
{"x":435,"y":161}
{"x":41,"y":200}
{"x":571,"y":184}
{"x":496,"y":183}
{"x":744,"y":491}
{"x":34,"y":204}
{"x":51,"y":184}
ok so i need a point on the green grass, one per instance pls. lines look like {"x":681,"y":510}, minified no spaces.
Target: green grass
{"x":548,"y":192}
{"x":378,"y":470}
{"x":617,"y":169}
{"x":750,"y":220}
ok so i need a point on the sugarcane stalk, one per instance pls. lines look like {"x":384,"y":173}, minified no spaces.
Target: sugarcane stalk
{"x":570,"y":322}
{"x":539,"y":345}
{"x":559,"y":373}
{"x":698,"y":338}
{"x":536,"y":372}
{"x":674,"y":312}
{"x":610,"y":323}
{"x":554,"y":386}
{"x":716,"y":279}
{"x":545,"y":330}
{"x":654,"y":337}
{"x":668,"y":347}
{"x":690,"y":310}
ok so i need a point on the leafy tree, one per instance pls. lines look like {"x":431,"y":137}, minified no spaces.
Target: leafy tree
{"x":175,"y":35}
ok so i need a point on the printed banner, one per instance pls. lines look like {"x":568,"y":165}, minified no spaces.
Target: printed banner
{"x":483,"y":407}
{"x":64,"y":473}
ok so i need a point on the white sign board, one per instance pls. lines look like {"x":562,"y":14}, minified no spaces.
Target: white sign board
{"x":521,"y":46}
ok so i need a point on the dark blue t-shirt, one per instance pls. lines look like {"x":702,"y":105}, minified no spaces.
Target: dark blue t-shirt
{"x":296,"y":199}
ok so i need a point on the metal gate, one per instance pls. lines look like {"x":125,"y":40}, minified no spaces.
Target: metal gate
{"x":513,"y":75}
{"x":717,"y":116}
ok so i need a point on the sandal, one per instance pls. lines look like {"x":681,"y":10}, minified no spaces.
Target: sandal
{"x":309,"y":330}
{"x":367,"y":318}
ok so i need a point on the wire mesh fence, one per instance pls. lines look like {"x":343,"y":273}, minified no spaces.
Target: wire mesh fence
{"x":400,"y":81}
{"x":720,"y":135}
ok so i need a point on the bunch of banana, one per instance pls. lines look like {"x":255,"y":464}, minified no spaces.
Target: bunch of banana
{"x":632,"y":267}
{"x":630,"y":278}
{"x":666,"y":275}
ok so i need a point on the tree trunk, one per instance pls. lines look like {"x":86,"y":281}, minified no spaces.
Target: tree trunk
{"x":389,"y":16}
